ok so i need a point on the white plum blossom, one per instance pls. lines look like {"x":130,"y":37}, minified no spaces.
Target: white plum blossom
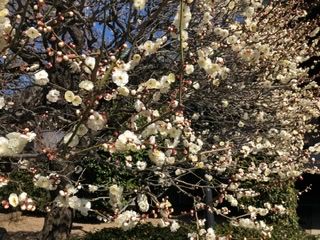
{"x":150,"y":47}
{"x":34,"y":67}
{"x":96,"y":121}
{"x":174,"y":226}
{"x":225,"y":103}
{"x":115,"y":194}
{"x":136,"y":58}
{"x":123,"y":91}
{"x":139,"y":106}
{"x":206,"y":18}
{"x":5,"y":26}
{"x":194,"y":148}
{"x":139,"y":4}
{"x":127,"y":220}
{"x":249,"y":11}
{"x":85,"y":206}
{"x":77,"y":100}
{"x":152,"y":84}
{"x":232,"y":200}
{"x":280,"y":208}
{"x":53,"y":95}
{"x":66,"y":198}
{"x":127,"y":141}
{"x":143,"y":202}
{"x":74,"y":202}
{"x":3,"y":12}
{"x":246,"y":223}
{"x":23,"y":197}
{"x":13,"y":199}
{"x":157,"y":157}
{"x":41,"y":78}
{"x":315,"y":148}
{"x":189,"y":69}
{"x":33,"y":33}
{"x":186,"y":17}
{"x":80,"y":204}
{"x":141,"y":165}
{"x":69,"y":96}
{"x":208,"y":177}
{"x":232,"y":39}
{"x":43,"y":182}
{"x":14,"y":143}
{"x":69,"y":190}
{"x":210,"y":234}
{"x":86,"y":85}
{"x":2,"y":102}
{"x":223,"y":33}
{"x":92,"y":188}
{"x":27,"y":204}
{"x":196,"y":85}
{"x":89,"y":64}
{"x":120,"y":77}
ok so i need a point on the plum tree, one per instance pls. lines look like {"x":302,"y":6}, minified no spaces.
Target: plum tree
{"x":156,"y":91}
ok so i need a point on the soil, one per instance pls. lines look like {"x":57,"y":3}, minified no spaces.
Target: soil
{"x":27,"y":227}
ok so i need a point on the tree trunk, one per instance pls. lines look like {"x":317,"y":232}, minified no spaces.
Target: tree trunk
{"x":57,"y":225}
{"x":3,"y":234}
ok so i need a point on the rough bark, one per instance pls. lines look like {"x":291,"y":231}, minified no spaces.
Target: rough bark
{"x":3,"y":234}
{"x":57,"y":225}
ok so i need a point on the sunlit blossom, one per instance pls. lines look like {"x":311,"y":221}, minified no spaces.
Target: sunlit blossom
{"x":13,"y":199}
{"x":120,"y":78}
{"x":33,"y":33}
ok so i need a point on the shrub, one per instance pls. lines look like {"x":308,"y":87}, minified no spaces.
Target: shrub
{"x":22,"y":181}
{"x":285,"y":226}
{"x":281,"y":230}
{"x":141,"y":232}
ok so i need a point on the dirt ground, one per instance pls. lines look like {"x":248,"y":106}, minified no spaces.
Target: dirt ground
{"x":26,"y":227}
{"x":35,"y":224}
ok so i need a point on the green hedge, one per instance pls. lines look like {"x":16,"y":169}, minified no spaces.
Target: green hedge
{"x":149,"y":232}
{"x":285,"y":226}
{"x":140,"y":232}
{"x":281,"y":231}
{"x":22,"y":181}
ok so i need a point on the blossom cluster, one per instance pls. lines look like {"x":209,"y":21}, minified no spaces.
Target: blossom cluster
{"x":5,"y":26}
{"x":14,"y":143}
{"x":67,"y":198}
{"x":46,"y":182}
{"x":25,"y":202}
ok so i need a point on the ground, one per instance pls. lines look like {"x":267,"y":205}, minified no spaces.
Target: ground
{"x":26,"y":227}
{"x":29,"y":226}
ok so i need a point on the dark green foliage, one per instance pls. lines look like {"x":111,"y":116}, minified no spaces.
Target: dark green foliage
{"x":285,"y":226}
{"x":237,"y":232}
{"x":141,"y":232}
{"x":149,"y":232}
{"x":22,"y":181}
{"x":281,"y":231}
{"x":113,"y":168}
